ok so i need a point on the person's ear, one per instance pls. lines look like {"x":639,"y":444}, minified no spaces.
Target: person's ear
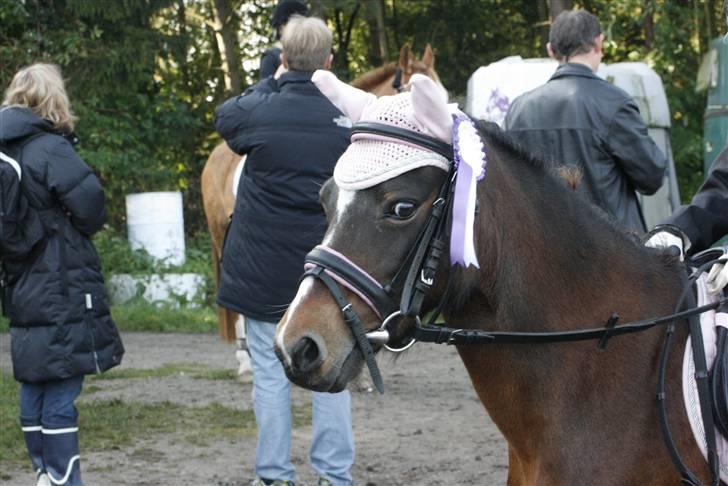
{"x":599,"y":43}
{"x":329,"y":62}
{"x":550,"y":50}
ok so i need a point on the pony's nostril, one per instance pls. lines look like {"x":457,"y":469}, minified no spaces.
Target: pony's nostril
{"x":306,"y":355}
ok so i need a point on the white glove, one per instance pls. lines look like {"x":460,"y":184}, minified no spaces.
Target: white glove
{"x":718,"y":277}
{"x":666,"y":239}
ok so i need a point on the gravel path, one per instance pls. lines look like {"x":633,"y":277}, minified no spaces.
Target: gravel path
{"x":428,"y":429}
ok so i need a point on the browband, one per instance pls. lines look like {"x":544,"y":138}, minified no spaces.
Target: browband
{"x":419,"y":139}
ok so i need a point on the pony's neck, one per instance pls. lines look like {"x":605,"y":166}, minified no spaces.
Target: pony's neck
{"x":547,"y":252}
{"x":548,"y":262}
{"x":377,"y":79}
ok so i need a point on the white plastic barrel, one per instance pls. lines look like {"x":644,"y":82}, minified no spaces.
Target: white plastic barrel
{"x":155,"y":223}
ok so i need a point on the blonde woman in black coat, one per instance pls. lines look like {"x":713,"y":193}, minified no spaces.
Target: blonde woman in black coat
{"x":55,"y":299}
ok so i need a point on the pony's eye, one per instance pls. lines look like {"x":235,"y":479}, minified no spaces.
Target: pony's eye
{"x":403,"y":209}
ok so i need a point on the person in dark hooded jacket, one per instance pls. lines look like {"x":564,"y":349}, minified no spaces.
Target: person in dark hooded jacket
{"x":60,"y":324}
{"x":270,"y":61}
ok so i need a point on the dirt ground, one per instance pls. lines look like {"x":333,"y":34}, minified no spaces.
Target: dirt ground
{"x":427,"y":429}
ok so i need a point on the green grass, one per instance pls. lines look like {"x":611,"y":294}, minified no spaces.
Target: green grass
{"x":194,"y":370}
{"x":108,"y":425}
{"x":142,"y":316}
{"x":139,"y":316}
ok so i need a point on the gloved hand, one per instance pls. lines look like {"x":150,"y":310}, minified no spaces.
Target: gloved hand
{"x":666,"y":236}
{"x":718,"y":276}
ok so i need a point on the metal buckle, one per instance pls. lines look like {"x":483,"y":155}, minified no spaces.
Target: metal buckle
{"x":381,"y":336}
{"x":453,"y":335}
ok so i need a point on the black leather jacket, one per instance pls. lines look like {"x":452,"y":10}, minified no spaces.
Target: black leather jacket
{"x":579,"y":119}
{"x":705,"y":220}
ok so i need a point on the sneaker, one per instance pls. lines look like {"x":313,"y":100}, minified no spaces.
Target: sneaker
{"x":271,"y":482}
{"x":43,"y":480}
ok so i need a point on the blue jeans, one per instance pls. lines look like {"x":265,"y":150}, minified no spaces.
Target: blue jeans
{"x":332,"y":446}
{"x":51,"y":403}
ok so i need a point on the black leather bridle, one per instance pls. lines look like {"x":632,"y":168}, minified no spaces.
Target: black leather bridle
{"x":416,"y":276}
{"x":397,"y":81}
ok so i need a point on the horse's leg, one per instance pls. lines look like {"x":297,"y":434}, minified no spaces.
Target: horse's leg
{"x":516,"y":475}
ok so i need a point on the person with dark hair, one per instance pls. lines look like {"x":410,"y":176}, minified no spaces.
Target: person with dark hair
{"x":579,"y":119}
{"x":271,"y":59}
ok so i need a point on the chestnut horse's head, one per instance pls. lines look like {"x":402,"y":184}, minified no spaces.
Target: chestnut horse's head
{"x":393,"y":78}
{"x":380,"y":198}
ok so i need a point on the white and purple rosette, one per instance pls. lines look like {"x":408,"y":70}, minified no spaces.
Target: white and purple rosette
{"x":470,"y":160}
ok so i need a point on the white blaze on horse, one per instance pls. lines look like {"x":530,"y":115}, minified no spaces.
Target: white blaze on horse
{"x":531,"y":264}
{"x":223,"y":169}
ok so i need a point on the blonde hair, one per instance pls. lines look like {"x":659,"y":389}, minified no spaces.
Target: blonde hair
{"x":306,"y":43}
{"x":40,"y":88}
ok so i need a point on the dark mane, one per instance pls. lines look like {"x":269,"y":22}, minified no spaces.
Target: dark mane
{"x":589,"y":214}
{"x":494,"y":134}
{"x":372,"y":78}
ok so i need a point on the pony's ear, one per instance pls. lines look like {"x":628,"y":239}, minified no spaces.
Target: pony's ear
{"x":350,"y":100}
{"x":429,"y":103}
{"x":428,"y":58}
{"x":405,"y":56}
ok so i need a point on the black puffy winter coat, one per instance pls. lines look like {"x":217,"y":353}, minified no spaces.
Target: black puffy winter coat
{"x":60,"y":323}
{"x":579,"y":119}
{"x":293,"y":136}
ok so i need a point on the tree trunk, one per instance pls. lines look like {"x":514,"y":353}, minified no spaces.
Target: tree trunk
{"x":227,"y":44}
{"x":649,"y":26}
{"x":558,"y":6}
{"x":343,"y":35}
{"x":182,"y":59}
{"x":377,"y":45}
{"x":395,"y":30}
{"x":543,"y":23}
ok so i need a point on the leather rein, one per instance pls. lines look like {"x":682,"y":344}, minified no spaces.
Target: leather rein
{"x":416,"y":277}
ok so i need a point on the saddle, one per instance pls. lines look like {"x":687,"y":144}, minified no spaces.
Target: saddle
{"x":714,"y":331}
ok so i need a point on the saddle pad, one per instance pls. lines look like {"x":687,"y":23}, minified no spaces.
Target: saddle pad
{"x":708,"y":322}
{"x":236,"y":176}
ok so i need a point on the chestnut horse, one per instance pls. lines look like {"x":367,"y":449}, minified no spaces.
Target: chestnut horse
{"x":219,"y":174}
{"x":549,"y":261}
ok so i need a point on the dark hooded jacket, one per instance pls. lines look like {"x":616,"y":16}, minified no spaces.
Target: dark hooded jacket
{"x":579,"y":119}
{"x":55,"y":297}
{"x":293,"y":136}
{"x":705,"y":219}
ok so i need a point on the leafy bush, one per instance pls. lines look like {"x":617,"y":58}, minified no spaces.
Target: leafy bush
{"x":118,"y":257}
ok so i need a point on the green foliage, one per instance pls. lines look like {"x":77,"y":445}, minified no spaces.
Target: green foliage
{"x":144,"y":76}
{"x":118,"y":257}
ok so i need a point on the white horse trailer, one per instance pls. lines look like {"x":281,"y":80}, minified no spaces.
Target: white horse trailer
{"x":492,"y":88}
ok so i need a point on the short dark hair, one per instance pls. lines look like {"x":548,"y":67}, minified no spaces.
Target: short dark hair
{"x":287,"y":8}
{"x":573,"y":32}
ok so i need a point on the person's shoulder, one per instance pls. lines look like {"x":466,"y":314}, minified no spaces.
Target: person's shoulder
{"x":272,"y":51}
